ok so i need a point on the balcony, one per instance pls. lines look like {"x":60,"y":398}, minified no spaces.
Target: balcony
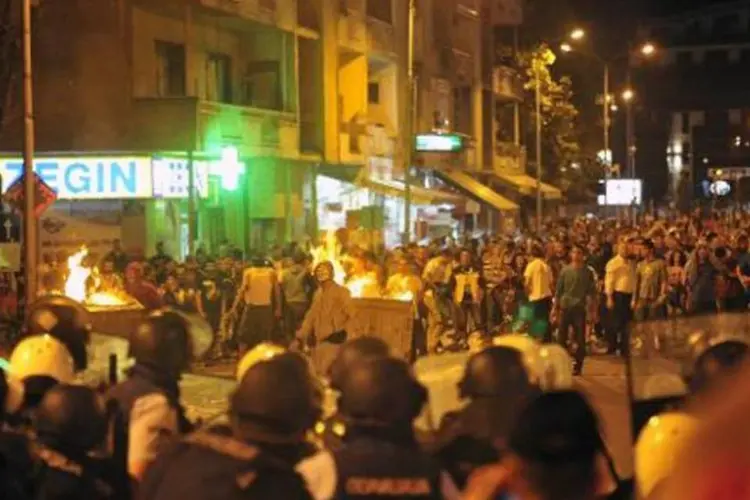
{"x":181,"y":124}
{"x":280,"y":13}
{"x":507,"y":84}
{"x":509,"y":159}
{"x":380,"y":37}
{"x":352,"y":33}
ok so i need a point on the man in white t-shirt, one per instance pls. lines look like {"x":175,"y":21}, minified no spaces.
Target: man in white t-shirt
{"x":538,"y":283}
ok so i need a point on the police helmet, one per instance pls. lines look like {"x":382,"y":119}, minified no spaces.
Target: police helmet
{"x":71,"y":417}
{"x":718,"y":360}
{"x":352,"y":353}
{"x":659,"y":445}
{"x":381,"y":392}
{"x":495,"y":371}
{"x":66,"y":320}
{"x":42,"y":356}
{"x":261,"y":352}
{"x":162,"y":340}
{"x":530,"y":351}
{"x":278,"y":399}
{"x":558,"y":372}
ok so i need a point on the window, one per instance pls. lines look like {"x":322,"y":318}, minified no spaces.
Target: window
{"x":170,"y":69}
{"x":373,"y":93}
{"x":380,"y":10}
{"x":735,"y":117}
{"x":218,"y":78}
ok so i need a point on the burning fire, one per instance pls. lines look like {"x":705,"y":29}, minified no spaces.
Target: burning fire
{"x":365,"y":286}
{"x":77,"y":283}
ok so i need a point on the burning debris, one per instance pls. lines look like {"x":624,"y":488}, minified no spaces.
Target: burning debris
{"x":363,"y":284}
{"x":85,"y":284}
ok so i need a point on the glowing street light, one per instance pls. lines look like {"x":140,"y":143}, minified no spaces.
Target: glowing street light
{"x":566,"y":47}
{"x":577,"y":34}
{"x":648,"y":49}
{"x":628,"y":95}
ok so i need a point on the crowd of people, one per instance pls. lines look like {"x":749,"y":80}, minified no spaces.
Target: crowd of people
{"x":295,"y":433}
{"x":580,"y":283}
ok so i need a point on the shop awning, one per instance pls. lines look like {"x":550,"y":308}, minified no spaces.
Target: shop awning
{"x":476,"y":189}
{"x":526,"y":185}
{"x":344,"y":173}
{"x":419,"y":195}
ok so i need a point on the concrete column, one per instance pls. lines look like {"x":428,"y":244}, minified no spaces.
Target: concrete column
{"x":330,"y":70}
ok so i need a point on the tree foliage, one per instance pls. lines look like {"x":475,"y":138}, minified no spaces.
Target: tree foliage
{"x":562,"y":159}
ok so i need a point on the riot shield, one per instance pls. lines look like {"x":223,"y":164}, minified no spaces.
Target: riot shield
{"x":662,"y":355}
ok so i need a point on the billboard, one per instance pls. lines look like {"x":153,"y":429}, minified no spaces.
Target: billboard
{"x":621,"y":192}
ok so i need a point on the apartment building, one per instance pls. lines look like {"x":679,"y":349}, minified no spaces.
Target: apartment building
{"x":695,"y":107}
{"x":288,"y":113}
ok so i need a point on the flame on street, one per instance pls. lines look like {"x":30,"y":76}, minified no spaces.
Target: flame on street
{"x":78,"y":284}
{"x":365,"y":286}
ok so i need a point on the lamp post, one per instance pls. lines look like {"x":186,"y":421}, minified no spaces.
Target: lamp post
{"x":29,"y":220}
{"x":576,"y":35}
{"x":409,"y":120}
{"x":646,"y":50}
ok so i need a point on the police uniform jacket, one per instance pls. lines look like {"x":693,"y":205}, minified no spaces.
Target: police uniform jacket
{"x":146,"y":412}
{"x":372,"y":467}
{"x":59,"y":477}
{"x":474,"y":436}
{"x":212,"y":464}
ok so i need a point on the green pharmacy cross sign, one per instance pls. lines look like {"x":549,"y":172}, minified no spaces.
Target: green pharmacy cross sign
{"x":439,"y":143}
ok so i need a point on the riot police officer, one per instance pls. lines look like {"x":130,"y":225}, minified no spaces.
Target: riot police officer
{"x":380,"y":458}
{"x":64,"y":319}
{"x":69,"y":424}
{"x":275,"y":405}
{"x":146,"y":406}
{"x":331,"y":430}
{"x":498,"y":386}
{"x":40,"y":362}
{"x":16,"y":482}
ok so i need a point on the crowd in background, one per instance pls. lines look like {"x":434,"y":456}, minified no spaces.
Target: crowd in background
{"x":617,"y":271}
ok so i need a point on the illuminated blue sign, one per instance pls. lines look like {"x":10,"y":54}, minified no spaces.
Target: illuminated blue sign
{"x":88,"y":178}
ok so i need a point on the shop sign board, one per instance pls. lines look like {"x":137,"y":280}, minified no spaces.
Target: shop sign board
{"x":439,"y":143}
{"x":171,"y":177}
{"x":87,"y":177}
{"x":112,"y":177}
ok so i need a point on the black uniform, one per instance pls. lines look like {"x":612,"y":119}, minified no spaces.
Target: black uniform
{"x":58,"y":477}
{"x":211,"y":464}
{"x":380,"y":466}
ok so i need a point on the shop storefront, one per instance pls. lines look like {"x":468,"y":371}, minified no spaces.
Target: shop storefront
{"x":140,"y":199}
{"x":372,"y":207}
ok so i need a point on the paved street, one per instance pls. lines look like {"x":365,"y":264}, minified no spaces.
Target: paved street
{"x":206,"y":396}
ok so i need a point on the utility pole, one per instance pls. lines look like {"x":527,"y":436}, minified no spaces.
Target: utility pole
{"x":605,"y":126}
{"x":409,"y":120}
{"x":538,"y":104}
{"x":29,"y":220}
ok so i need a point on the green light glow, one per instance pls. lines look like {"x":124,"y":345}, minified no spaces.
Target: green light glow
{"x":229,"y":168}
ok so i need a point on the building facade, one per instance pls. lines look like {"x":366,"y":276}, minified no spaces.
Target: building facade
{"x":694,"y":115}
{"x":273,"y":94}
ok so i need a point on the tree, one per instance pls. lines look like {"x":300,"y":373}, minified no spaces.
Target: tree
{"x":559,"y":134}
{"x":563,"y":162}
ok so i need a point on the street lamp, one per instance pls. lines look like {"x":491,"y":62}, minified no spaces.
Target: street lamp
{"x":577,"y":34}
{"x":648,"y":49}
{"x":628,"y":95}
